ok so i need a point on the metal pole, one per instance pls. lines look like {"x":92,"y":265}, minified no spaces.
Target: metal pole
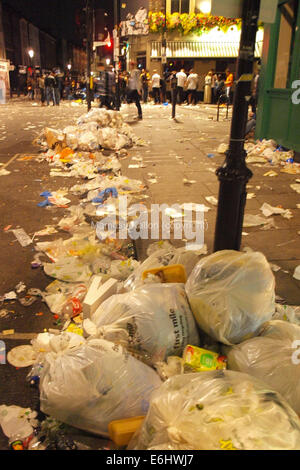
{"x":117,"y":38}
{"x":234,"y":174}
{"x":89,"y":30}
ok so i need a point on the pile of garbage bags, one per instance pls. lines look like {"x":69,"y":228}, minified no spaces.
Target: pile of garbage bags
{"x":114,"y":372}
{"x":99,"y":128}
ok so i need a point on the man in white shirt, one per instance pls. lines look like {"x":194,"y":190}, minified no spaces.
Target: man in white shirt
{"x":135,"y":88}
{"x":156,"y":87}
{"x":192,"y":85}
{"x":181,"y":80}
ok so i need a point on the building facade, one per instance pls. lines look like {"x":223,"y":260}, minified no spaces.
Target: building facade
{"x":279,"y":96}
{"x":193,"y":40}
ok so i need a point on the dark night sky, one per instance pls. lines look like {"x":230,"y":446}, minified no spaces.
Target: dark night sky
{"x":56,"y":17}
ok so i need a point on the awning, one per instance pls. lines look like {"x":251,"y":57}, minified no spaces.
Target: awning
{"x":193,"y":49}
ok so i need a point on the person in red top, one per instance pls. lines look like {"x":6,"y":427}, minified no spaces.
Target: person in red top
{"x":228,"y":82}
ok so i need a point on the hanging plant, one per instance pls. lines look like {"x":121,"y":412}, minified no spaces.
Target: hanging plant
{"x":190,"y":23}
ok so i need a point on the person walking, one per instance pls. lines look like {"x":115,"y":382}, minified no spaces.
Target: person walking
{"x":49,"y":87}
{"x":155,"y":82}
{"x":135,"y":88}
{"x":181,"y":80}
{"x":145,"y":77}
{"x":228,"y":83}
{"x":41,"y":85}
{"x":207,"y":88}
{"x":192,"y":85}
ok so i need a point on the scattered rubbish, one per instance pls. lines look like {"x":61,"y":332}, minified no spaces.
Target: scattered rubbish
{"x":296,"y":274}
{"x":296,"y":187}
{"x":217,"y":411}
{"x":212,"y":200}
{"x":9,"y":296}
{"x":271,"y":173}
{"x":210,"y":155}
{"x":4,"y":172}
{"x":198,"y":359}
{"x":121,"y":431}
{"x":222,"y":148}
{"x":18,"y":425}
{"x":187,"y":182}
{"x":27,"y":300}
{"x":250,"y":195}
{"x":8,"y":332}
{"x":242,"y":280}
{"x":7,"y":228}
{"x":268,"y":210}
{"x":21,"y":356}
{"x":20,"y":287}
{"x":274,"y":267}
{"x":251,"y":220}
{"x":22,"y":237}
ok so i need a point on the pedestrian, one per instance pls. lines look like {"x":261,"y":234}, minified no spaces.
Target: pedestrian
{"x":56,"y":89}
{"x":174,"y":91}
{"x":207,"y":88}
{"x":155,"y":82}
{"x":181,"y":81}
{"x":163,"y":87}
{"x":135,"y":88}
{"x":49,"y":87}
{"x":214,"y":80}
{"x":219,"y":86}
{"x":145,"y":77}
{"x":192,"y":85}
{"x":30,"y":87}
{"x":228,"y":83}
{"x":41,"y":85}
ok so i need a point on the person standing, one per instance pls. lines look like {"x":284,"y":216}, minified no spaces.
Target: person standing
{"x":156,"y":87}
{"x":135,"y":88}
{"x":214,"y":80}
{"x":207,"y":88}
{"x":228,"y":83}
{"x":192,"y":85}
{"x":181,"y":80}
{"x":41,"y":85}
{"x":145,"y":77}
{"x":49,"y":87}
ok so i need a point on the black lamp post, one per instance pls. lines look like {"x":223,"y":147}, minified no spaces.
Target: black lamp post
{"x":234,"y":174}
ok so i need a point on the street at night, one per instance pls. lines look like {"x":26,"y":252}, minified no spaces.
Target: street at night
{"x":149,"y":235}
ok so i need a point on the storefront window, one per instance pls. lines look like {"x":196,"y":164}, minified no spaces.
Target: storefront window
{"x":288,"y":24}
{"x":180,"y":6}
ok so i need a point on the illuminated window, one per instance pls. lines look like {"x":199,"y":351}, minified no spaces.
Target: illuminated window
{"x":180,"y":6}
{"x":288,"y":25}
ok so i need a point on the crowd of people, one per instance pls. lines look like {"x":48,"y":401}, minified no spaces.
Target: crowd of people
{"x":139,"y":86}
{"x":51,"y":87}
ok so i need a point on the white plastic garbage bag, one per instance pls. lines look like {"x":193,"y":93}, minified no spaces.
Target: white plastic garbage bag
{"x":98,"y":382}
{"x":88,"y":141}
{"x":165,"y":256}
{"x":232,"y":294}
{"x":218,"y":410}
{"x":155,"y":321}
{"x":71,"y":133}
{"x":272,"y":357}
